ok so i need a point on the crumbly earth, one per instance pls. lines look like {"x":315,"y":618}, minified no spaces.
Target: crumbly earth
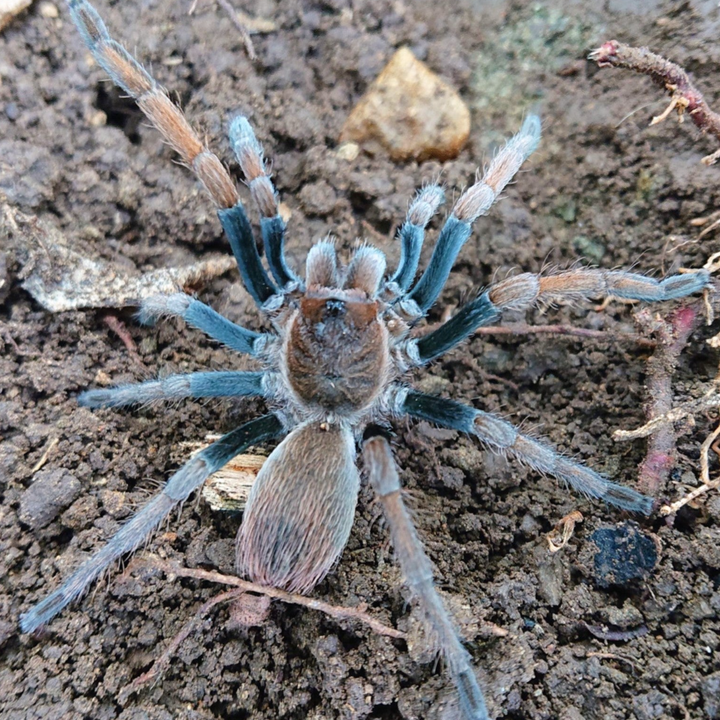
{"x":603,"y":188}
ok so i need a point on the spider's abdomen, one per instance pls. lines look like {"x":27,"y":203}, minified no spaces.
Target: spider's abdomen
{"x":337,"y":352}
{"x":300,"y":509}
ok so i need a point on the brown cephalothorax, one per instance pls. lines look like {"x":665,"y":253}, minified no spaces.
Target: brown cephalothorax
{"x":333,"y":370}
{"x":337,"y":352}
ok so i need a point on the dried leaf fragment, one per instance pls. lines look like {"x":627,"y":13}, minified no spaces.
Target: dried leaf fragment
{"x":560,"y":535}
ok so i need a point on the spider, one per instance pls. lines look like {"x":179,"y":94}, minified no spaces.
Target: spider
{"x":334,"y":368}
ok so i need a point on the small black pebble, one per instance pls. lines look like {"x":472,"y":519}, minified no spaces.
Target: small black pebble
{"x":625,"y":553}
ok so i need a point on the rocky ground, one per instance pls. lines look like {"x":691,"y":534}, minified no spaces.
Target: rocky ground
{"x":604,"y":188}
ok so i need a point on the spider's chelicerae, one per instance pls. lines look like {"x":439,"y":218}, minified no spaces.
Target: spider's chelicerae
{"x":333,"y":370}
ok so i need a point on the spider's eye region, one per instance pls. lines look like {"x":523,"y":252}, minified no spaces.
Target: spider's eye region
{"x":335,"y":308}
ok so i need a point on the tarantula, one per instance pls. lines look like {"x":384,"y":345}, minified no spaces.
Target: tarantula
{"x":334,"y":368}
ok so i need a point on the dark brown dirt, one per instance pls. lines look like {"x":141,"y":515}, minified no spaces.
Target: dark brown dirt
{"x":603,"y":187}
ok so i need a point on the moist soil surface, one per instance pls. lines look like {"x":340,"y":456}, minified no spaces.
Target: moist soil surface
{"x":604,"y":188}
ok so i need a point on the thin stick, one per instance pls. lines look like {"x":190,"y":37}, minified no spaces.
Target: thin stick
{"x":704,"y":476}
{"x":244,"y":32}
{"x":160,"y":666}
{"x":711,"y":399}
{"x":523,"y":329}
{"x":336,"y":611}
{"x":669,"y":76}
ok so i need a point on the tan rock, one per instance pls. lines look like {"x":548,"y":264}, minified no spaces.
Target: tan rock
{"x":9,"y":9}
{"x":409,"y":112}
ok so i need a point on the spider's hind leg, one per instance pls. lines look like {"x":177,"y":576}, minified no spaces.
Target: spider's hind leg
{"x":177,"y":489}
{"x":417,"y":571}
{"x":504,"y":437}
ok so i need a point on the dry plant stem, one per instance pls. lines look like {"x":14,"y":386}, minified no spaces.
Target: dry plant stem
{"x":704,"y":476}
{"x":522,"y":329}
{"x":711,"y":399}
{"x":244,"y":33}
{"x":670,"y":77}
{"x":118,"y":327}
{"x":335,"y":611}
{"x":672,"y":334}
{"x":160,"y":666}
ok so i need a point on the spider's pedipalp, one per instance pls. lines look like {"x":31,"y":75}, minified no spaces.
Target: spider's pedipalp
{"x":202,"y":317}
{"x":366,"y":271}
{"x":250,"y":156}
{"x":473,"y":203}
{"x":175,"y":387}
{"x":321,"y":266}
{"x":177,"y":489}
{"x":418,"y":575}
{"x":412,"y":233}
{"x":300,"y":509}
{"x":502,"y":436}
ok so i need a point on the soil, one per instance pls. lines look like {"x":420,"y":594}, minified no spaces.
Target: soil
{"x":603,"y":188}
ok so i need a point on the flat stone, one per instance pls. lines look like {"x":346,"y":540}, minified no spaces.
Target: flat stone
{"x":410,"y":113}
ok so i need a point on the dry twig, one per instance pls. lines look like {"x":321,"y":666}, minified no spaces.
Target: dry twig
{"x":523,"y":329}
{"x":160,"y":666}
{"x":335,"y":611}
{"x":708,"y":484}
{"x":684,"y":96}
{"x":241,"y":587}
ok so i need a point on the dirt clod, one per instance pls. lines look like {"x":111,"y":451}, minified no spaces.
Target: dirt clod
{"x":51,"y":492}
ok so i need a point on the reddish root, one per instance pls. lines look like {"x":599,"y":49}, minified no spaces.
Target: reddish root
{"x":684,"y":96}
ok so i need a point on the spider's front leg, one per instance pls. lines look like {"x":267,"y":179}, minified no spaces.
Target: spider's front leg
{"x":127,"y":73}
{"x":202,"y":317}
{"x":504,"y":437}
{"x":177,"y":489}
{"x":473,"y":203}
{"x":417,"y":572}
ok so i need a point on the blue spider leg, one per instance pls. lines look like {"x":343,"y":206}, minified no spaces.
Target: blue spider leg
{"x":239,"y":233}
{"x":502,"y":436}
{"x":202,"y":317}
{"x":176,"y":387}
{"x":473,"y":203}
{"x":126,"y":72}
{"x":469,"y":318}
{"x":525,"y":290}
{"x":177,"y":489}
{"x":417,"y":571}
{"x":250,"y":156}
{"x":412,"y":233}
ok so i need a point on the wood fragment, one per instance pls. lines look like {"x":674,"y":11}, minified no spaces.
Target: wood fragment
{"x":60,"y":278}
